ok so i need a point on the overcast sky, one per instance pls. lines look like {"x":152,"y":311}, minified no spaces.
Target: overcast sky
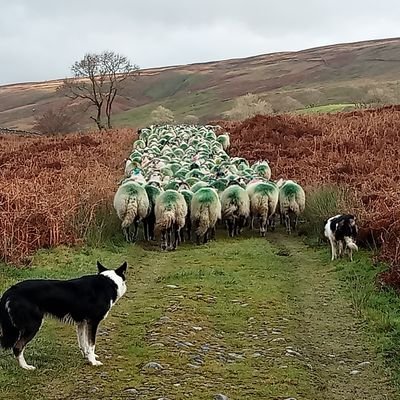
{"x":40,"y":39}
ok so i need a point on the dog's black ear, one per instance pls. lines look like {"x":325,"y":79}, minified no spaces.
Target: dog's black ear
{"x":121,"y":271}
{"x":100,"y":267}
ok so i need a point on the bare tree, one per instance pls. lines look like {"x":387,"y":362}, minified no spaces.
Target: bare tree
{"x":97,"y":79}
{"x":313,"y":97}
{"x":162,"y":115}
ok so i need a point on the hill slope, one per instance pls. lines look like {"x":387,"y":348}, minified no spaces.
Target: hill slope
{"x":341,"y":73}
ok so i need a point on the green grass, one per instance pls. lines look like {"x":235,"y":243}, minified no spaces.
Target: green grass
{"x":252,"y":298}
{"x":328,"y":108}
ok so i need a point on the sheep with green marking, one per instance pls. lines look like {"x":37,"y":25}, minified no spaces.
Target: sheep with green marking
{"x":292,"y":202}
{"x":224,"y":140}
{"x":131,"y":204}
{"x":264,"y":198}
{"x":205,"y":212}
{"x":262,"y":169}
{"x":235,"y":205}
{"x":170,"y":212}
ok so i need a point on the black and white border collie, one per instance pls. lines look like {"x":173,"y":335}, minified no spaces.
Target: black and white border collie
{"x":341,"y":231}
{"x":84,"y":301}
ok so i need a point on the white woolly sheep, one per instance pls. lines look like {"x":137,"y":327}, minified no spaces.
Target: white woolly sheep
{"x":235,"y":208}
{"x":263,"y":201}
{"x":262,"y":169}
{"x":205,"y":212}
{"x":224,"y":140}
{"x":292,"y":202}
{"x":170,"y":211}
{"x":131,"y":204}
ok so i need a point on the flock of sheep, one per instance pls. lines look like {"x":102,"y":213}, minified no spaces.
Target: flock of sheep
{"x":180,"y":179}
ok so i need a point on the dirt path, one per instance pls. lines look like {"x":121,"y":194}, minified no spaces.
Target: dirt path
{"x":247,"y":319}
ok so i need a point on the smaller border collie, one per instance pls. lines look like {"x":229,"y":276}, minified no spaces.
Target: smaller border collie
{"x":341,"y":231}
{"x":84,"y":301}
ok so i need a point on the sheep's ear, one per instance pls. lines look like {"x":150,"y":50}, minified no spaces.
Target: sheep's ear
{"x":100,"y":267}
{"x":121,"y":271}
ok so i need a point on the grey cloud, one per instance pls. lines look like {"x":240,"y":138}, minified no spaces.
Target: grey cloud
{"x":41,"y":39}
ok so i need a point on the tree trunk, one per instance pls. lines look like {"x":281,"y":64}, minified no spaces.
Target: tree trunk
{"x":98,"y":117}
{"x":110,"y":100}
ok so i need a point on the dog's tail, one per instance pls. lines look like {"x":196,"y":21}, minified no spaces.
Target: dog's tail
{"x":350,"y":243}
{"x":8,"y":332}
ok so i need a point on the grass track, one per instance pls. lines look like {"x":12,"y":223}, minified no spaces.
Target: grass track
{"x":276,"y":322}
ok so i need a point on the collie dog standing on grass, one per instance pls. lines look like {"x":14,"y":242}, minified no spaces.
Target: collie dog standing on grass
{"x":341,"y":231}
{"x":84,"y":301}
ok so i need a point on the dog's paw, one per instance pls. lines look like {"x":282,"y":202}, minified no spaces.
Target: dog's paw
{"x":96,"y":363}
{"x":29,"y":367}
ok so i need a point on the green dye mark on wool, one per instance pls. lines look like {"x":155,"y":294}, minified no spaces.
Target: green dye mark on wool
{"x":234,"y":193}
{"x":265,"y":189}
{"x":262,"y":169}
{"x":206,"y":195}
{"x":170,"y":197}
{"x":290,"y":189}
{"x":133,"y":189}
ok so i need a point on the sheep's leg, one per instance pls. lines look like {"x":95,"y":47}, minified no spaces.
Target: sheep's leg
{"x":164,"y":239}
{"x":295,"y":222}
{"x":242,"y":223}
{"x":230,"y":224}
{"x":213,"y":233}
{"x":169,"y":237}
{"x":198,"y":239}
{"x":205,"y":237}
{"x":263,"y":225}
{"x":182,"y":235}
{"x":271,"y":222}
{"x":135,"y":230}
{"x":177,"y":231}
{"x":252,"y":222}
{"x":125,"y":231}
{"x":146,"y":229}
{"x":189,"y":230}
{"x":152,"y":224}
{"x":287,"y":223}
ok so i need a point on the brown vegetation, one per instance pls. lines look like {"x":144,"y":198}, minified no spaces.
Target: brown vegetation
{"x":51,"y":188}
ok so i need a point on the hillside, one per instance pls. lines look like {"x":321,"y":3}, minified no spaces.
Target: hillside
{"x":337,"y":74}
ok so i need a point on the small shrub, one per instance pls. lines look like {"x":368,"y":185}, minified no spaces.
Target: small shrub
{"x":248,"y":106}
{"x":162,"y":115}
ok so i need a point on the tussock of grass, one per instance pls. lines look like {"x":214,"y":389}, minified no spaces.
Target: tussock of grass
{"x":322,"y":203}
